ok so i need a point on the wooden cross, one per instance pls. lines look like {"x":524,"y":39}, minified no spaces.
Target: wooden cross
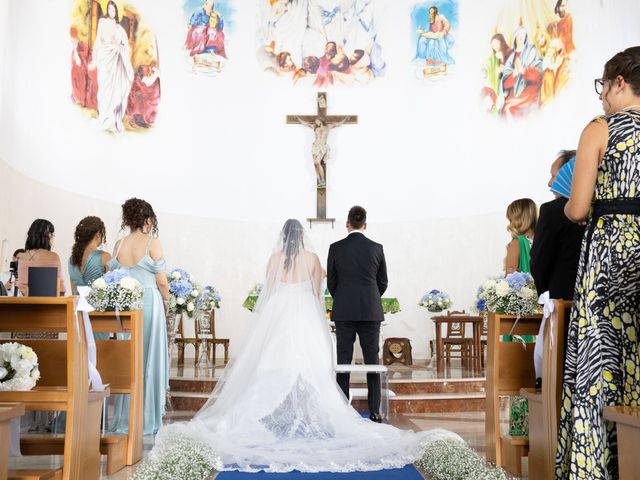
{"x":331,"y":121}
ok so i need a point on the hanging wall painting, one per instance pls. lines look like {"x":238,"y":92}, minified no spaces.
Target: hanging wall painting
{"x":530,"y":55}
{"x":207,"y":23}
{"x":321,"y":42}
{"x":433,"y":26}
{"x":115,"y":67}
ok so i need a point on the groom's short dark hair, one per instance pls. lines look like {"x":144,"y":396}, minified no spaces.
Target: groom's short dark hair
{"x":357,"y":217}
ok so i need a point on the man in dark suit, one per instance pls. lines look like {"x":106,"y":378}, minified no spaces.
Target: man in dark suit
{"x":556,"y":246}
{"x":356,"y":279}
{"x":555,"y":253}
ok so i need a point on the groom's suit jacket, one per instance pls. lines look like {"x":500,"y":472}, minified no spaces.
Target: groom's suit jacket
{"x":356,"y":279}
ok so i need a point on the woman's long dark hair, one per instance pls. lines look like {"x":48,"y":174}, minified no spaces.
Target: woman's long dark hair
{"x":39,"y":235}
{"x":292,"y":241}
{"x":85,"y":232}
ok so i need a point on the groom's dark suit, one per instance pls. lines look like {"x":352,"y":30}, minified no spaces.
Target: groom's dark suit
{"x":357,"y":278}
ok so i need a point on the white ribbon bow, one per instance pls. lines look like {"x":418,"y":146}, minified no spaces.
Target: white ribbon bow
{"x":548,"y":307}
{"x":84,"y":307}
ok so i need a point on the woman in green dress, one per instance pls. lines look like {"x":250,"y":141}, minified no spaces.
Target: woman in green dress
{"x":523,"y":216}
{"x":602,"y":358}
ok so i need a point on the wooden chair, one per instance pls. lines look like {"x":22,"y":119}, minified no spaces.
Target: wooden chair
{"x":509,"y":368}
{"x":8,"y":411}
{"x":544,"y":406}
{"x":628,"y":427}
{"x":214,"y":341}
{"x":209,"y":336}
{"x":456,"y":342}
{"x":397,"y":350}
{"x":182,"y":341}
{"x":63,"y":385}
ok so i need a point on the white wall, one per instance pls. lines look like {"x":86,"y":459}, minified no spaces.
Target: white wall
{"x":223,"y":170}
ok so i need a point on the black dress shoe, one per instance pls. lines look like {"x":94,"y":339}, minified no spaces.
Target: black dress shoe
{"x":375,"y":417}
{"x":538,"y":383}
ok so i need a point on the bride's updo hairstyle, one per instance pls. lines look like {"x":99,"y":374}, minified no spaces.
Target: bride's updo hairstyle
{"x":292,"y":241}
{"x":135,"y":214}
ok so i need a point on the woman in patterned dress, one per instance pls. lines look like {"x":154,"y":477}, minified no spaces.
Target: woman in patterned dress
{"x":602,"y":358}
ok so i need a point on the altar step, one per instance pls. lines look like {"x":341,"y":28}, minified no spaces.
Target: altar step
{"x":433,"y":395}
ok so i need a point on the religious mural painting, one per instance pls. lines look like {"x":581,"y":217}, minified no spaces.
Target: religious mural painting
{"x":115,"y":67}
{"x":321,"y":42}
{"x":207,"y":23}
{"x":434,"y":24}
{"x":530,"y":56}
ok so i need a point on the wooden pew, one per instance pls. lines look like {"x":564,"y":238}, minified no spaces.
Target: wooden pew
{"x":64,"y":383}
{"x":120,"y":365}
{"x":509,"y":368}
{"x":544,"y":406}
{"x":628,"y":427}
{"x":8,"y":411}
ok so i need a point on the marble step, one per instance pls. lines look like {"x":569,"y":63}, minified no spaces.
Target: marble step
{"x":403,"y":403}
{"x":435,"y":386}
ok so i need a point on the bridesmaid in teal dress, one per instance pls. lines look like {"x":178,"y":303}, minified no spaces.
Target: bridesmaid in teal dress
{"x":87,"y":262}
{"x":140,"y":252}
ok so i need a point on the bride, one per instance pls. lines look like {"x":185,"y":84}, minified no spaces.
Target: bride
{"x":278,"y":407}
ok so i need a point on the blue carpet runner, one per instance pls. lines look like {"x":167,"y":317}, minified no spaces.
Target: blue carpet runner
{"x":406,"y":473}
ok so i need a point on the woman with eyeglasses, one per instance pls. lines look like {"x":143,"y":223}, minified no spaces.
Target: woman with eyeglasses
{"x":603,"y":355}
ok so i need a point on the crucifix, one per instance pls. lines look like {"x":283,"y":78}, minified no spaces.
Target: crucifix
{"x":321,"y":123}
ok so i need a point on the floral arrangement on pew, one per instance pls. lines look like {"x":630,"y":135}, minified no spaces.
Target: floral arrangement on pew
{"x":208,"y":299}
{"x":183,"y":292}
{"x":116,"y":290}
{"x":18,"y":367}
{"x":435,"y":301}
{"x":514,"y":294}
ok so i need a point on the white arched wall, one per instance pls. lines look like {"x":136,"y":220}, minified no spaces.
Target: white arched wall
{"x":223,"y":170}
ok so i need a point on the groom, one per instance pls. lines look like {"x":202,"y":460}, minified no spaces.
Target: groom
{"x":357,"y":278}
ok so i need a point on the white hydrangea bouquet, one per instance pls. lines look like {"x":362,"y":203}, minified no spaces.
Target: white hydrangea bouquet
{"x":18,"y":367}
{"x":183,"y":292}
{"x":514,"y":294}
{"x":435,"y":301}
{"x":116,"y":290}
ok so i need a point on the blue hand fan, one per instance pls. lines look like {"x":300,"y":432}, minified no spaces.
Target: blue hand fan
{"x":562,"y":184}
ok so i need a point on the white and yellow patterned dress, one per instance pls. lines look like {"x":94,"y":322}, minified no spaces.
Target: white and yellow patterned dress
{"x":602,"y":357}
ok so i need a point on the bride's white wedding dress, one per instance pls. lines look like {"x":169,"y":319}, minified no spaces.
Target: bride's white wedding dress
{"x":278,"y":407}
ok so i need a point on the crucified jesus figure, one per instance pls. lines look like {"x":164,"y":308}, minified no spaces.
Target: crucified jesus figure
{"x":320,"y":148}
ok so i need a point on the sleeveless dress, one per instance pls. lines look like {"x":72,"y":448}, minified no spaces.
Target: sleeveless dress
{"x":155,"y":355}
{"x":602,"y":359}
{"x":524,"y":243}
{"x":524,"y":265}
{"x":93,"y":269}
{"x":278,"y":407}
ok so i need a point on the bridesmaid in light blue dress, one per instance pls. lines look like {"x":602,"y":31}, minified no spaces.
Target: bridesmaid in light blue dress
{"x":141,"y":254}
{"x":87,"y":262}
